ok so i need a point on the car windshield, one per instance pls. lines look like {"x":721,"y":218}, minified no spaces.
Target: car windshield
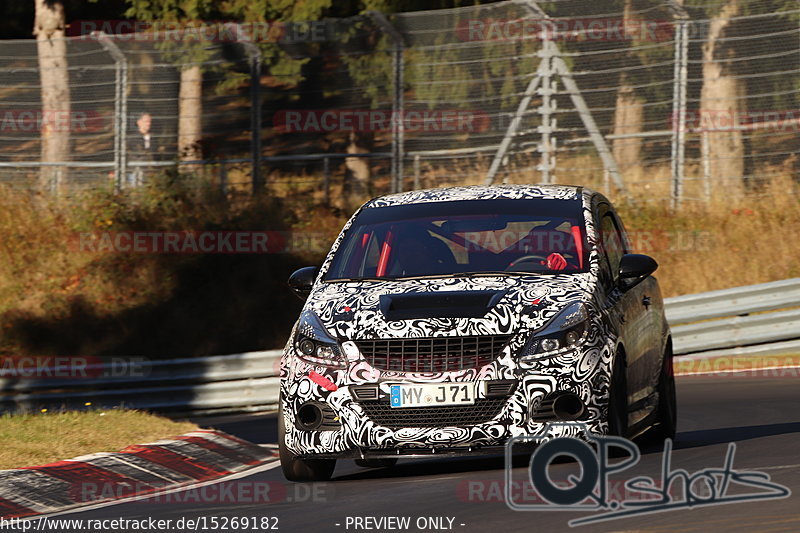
{"x":469,"y":237}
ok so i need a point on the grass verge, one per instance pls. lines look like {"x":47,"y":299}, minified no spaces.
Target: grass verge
{"x":41,"y":438}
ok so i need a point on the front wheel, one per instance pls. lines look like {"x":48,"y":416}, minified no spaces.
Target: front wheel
{"x":667,"y":422}
{"x":295,"y":469}
{"x":618,"y":399}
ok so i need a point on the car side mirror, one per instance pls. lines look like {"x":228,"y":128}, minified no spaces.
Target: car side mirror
{"x":302,"y":279}
{"x":634,"y":268}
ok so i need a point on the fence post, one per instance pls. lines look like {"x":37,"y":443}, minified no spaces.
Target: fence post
{"x":706,"y":157}
{"x":398,"y":103}
{"x":326,"y":176}
{"x":55,"y":182}
{"x":223,"y":177}
{"x":399,"y":121}
{"x":255,"y":114}
{"x":552,"y":64}
{"x":416,"y":172}
{"x":513,"y":127}
{"x":546,"y":90}
{"x":587,"y":118}
{"x":120,"y":107}
{"x":679,"y":112}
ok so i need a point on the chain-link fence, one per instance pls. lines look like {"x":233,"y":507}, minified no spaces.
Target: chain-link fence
{"x":665,"y":100}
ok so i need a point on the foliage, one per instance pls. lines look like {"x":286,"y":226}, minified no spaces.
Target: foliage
{"x":60,"y":297}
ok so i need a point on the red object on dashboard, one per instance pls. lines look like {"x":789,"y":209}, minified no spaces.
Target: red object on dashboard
{"x":386,"y":250}
{"x":577,"y":236}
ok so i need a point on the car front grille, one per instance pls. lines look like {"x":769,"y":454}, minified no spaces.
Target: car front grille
{"x":447,"y":416}
{"x":432,"y":354}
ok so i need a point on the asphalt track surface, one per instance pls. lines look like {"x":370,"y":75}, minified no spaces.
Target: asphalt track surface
{"x":761,"y":415}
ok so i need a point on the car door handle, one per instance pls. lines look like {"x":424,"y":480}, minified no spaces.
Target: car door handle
{"x":646,"y":302}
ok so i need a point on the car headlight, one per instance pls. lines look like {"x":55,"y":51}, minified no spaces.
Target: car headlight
{"x":314,"y":344}
{"x":564,"y":331}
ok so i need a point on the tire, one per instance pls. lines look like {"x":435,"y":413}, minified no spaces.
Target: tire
{"x":295,"y":469}
{"x":618,"y":399}
{"x":667,"y":418}
{"x":376,"y":463}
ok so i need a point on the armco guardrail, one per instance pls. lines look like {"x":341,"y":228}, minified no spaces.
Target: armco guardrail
{"x":725,"y":320}
{"x":737,"y":331}
{"x":703,"y":325}
{"x":238,"y":383}
{"x":734,"y":301}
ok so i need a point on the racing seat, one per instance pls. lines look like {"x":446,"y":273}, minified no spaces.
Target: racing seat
{"x":418,"y":253}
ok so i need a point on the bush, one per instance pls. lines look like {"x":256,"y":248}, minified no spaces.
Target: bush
{"x":58,"y":298}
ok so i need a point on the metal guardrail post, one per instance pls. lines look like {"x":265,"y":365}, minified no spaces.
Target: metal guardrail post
{"x":589,"y":123}
{"x":120,"y":107}
{"x":679,"y":111}
{"x":553,"y":64}
{"x":547,"y":88}
{"x":398,"y":99}
{"x":513,"y":127}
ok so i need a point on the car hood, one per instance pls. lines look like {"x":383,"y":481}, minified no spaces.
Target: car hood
{"x":444,"y":307}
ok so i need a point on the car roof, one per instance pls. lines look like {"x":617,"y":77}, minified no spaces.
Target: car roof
{"x":481,"y":192}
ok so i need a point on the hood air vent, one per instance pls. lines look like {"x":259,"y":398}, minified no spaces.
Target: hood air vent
{"x":440,"y":304}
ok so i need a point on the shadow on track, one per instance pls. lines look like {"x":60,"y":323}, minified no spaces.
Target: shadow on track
{"x":263,"y":430}
{"x":258,"y":429}
{"x":685,"y":440}
{"x":707,"y":437}
{"x":434,"y":467}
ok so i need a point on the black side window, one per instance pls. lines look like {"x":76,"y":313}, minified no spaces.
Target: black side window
{"x":613,"y":243}
{"x":599,"y":209}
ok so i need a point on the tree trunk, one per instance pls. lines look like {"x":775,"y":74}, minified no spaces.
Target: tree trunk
{"x":719,"y":106}
{"x":52,"y":50}
{"x":190,"y":114}
{"x":629,"y":111}
{"x":628,"y":118}
{"x":357,"y":174}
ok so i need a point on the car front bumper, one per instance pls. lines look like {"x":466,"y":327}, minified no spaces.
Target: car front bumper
{"x":352,"y":428}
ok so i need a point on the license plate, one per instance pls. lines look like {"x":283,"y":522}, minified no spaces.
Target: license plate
{"x":421,"y":395}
